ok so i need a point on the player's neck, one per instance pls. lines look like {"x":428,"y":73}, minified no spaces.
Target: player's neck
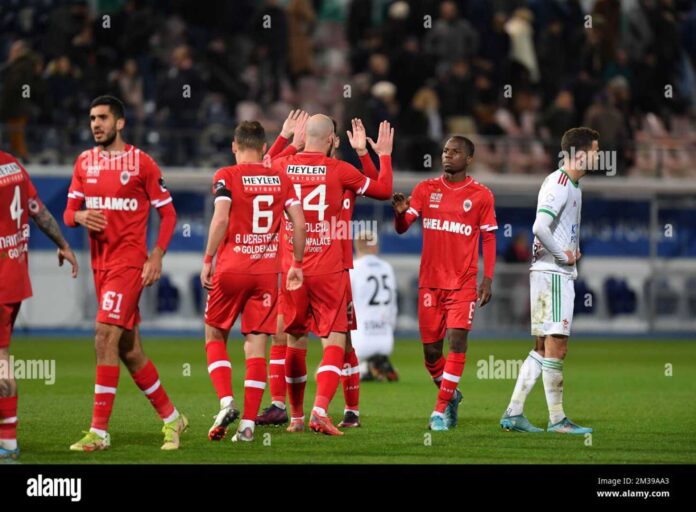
{"x":574,"y":174}
{"x":456,"y":177}
{"x":117,"y":146}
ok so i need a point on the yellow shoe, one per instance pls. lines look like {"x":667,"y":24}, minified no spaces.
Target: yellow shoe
{"x":172,"y":432}
{"x":92,"y":442}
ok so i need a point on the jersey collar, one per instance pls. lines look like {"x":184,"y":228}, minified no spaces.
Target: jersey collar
{"x":575,"y":184}
{"x":464,"y":184}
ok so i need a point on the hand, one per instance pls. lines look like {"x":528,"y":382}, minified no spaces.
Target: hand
{"x":153,"y":267}
{"x":578,"y":255}
{"x":484,"y":291}
{"x":207,"y":276}
{"x":66,"y":253}
{"x":298,"y":138}
{"x":290,"y":123}
{"x":295,"y":278}
{"x":94,"y":220}
{"x":400,"y":203}
{"x":571,"y":258}
{"x":358,"y":137}
{"x":385,"y":140}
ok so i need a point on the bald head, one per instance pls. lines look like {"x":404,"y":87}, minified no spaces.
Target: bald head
{"x":367,"y":242}
{"x":319,"y":130}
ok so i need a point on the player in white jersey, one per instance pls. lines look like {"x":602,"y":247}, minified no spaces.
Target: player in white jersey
{"x":374,"y":299}
{"x":552,"y":283}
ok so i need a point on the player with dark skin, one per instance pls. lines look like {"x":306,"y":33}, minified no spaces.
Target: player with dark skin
{"x":455,"y":162}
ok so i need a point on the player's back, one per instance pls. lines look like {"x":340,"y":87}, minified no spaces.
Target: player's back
{"x":259,"y":196}
{"x":320,"y":186}
{"x":18,"y":200}
{"x":374,"y":296}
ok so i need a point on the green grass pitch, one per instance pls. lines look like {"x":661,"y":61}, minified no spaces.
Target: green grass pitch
{"x":619,"y":387}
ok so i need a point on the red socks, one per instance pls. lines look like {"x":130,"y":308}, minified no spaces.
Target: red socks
{"x":148,"y":381}
{"x":254,"y":385}
{"x":351,"y":381}
{"x":8,"y":418}
{"x":450,"y":379}
{"x":276,"y":373}
{"x":296,"y":379}
{"x":104,"y":395}
{"x":328,"y":375}
{"x":219,"y":368}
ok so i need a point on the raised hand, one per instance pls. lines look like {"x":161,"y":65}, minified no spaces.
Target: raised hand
{"x":290,"y":123}
{"x":400,"y":203}
{"x":358,"y":137}
{"x":298,"y":138}
{"x":385,"y":139}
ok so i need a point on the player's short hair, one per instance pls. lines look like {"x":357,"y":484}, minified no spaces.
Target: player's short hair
{"x":466,"y":142}
{"x":578,"y":139}
{"x":250,"y":135}
{"x":115,"y":105}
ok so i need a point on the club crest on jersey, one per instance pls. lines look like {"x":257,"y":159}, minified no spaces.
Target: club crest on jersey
{"x":467,"y":205}
{"x":435,"y":198}
{"x":125,"y":177}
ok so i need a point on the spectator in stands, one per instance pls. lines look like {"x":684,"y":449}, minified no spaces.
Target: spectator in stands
{"x":301,"y":22}
{"x":451,"y":37}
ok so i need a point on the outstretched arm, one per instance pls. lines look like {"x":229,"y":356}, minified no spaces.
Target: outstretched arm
{"x":47,"y":223}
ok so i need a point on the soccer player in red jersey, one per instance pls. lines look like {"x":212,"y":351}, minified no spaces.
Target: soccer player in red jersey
{"x":118,"y":183}
{"x":19,"y":201}
{"x":321,"y":304}
{"x":456,"y":212}
{"x":250,"y":198}
{"x":276,"y":413}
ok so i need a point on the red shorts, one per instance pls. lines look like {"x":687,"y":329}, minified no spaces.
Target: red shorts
{"x":8,"y":315}
{"x":318,"y":305}
{"x":253,"y":295}
{"x":439,"y":310}
{"x":118,"y":293}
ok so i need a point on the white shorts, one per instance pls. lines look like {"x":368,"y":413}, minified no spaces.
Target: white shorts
{"x":552,"y":300}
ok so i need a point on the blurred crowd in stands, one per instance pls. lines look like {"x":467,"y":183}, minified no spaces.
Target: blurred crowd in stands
{"x":513,"y":74}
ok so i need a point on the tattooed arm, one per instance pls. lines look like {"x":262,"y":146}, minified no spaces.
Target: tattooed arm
{"x":47,"y":223}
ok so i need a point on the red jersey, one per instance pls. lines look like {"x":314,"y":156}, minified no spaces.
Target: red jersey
{"x":453,"y":217}
{"x":122,"y":187}
{"x":320,"y":183}
{"x":259,"y":196}
{"x":19,"y":201}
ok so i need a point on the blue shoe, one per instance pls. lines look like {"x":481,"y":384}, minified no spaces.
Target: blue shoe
{"x":518,"y":423}
{"x":437,"y":423}
{"x":6,"y":454}
{"x":565,"y":426}
{"x":452,"y":411}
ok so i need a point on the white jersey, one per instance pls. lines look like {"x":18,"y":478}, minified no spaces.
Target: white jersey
{"x":374,"y":299}
{"x":561,"y":198}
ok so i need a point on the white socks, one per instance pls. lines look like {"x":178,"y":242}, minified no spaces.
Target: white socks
{"x":552,"y":374}
{"x":529,"y":373}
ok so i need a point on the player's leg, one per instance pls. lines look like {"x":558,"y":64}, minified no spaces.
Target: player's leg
{"x":254,"y":384}
{"x":448,"y":396}
{"x":294,"y":308}
{"x":432,"y":327}
{"x":276,"y":413}
{"x":350,"y":377}
{"x":513,"y":418}
{"x":106,"y":344}
{"x":8,"y":386}
{"x":329,"y":304}
{"x":555,"y":350}
{"x":225,"y":301}
{"x":145,"y":375}
{"x":296,"y":379}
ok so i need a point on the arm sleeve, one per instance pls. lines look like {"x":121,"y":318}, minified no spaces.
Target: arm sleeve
{"x":487,"y":220}
{"x":76,"y":197}
{"x":277,"y":147}
{"x":34,"y":201}
{"x":221,"y":187}
{"x":167,"y":215}
{"x":488,"y":243}
{"x":154,"y":184}
{"x":542,"y":230}
{"x":368,"y":167}
{"x":552,"y":198}
{"x":381,"y":188}
{"x":403,"y":222}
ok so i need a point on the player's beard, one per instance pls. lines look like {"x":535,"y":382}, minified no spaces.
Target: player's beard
{"x":110,"y":138}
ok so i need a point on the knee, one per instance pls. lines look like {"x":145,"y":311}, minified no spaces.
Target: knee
{"x":8,"y":387}
{"x":459,"y":341}
{"x":432,"y":352}
{"x":279,"y":339}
